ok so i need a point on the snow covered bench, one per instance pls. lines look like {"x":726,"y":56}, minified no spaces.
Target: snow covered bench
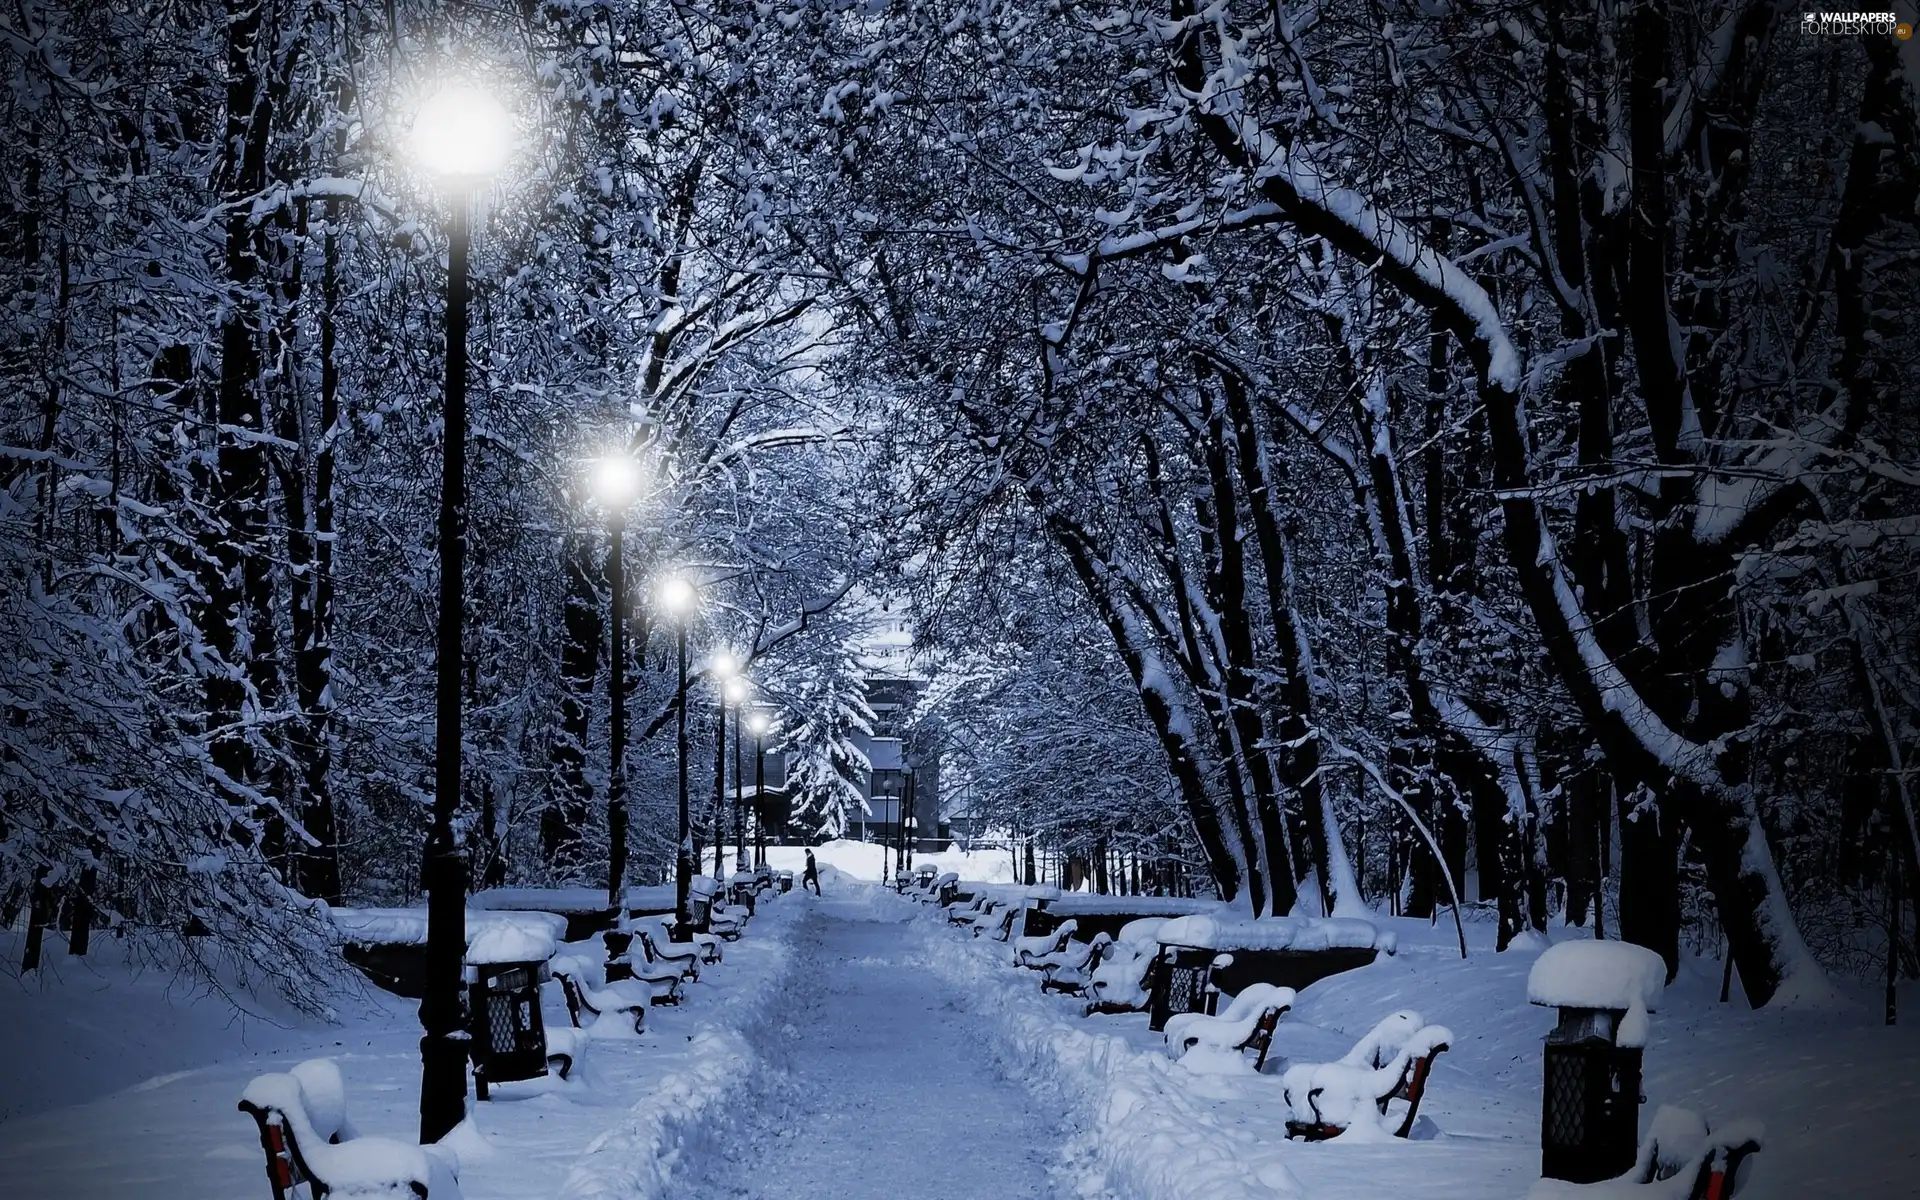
{"x":963,"y":909}
{"x":302,"y":1119}
{"x":624,"y":962}
{"x":1679,"y":1159}
{"x":1070,"y":968}
{"x":996,"y":919}
{"x":680,"y":956}
{"x":1123,"y":981}
{"x":707,"y":944}
{"x":1029,"y":952}
{"x":1248,"y":1023}
{"x":586,"y":992}
{"x":1392,"y":1062}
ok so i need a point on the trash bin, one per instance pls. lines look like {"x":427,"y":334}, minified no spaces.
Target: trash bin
{"x":1590,"y":1107}
{"x":618,"y":942}
{"x":925,"y":876}
{"x":507,"y":1036}
{"x":1590,"y":1102}
{"x":1179,"y":984}
{"x":743,"y":896}
{"x":786,"y":881}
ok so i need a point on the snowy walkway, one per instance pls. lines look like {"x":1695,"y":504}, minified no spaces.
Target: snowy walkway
{"x":890,"y":1092}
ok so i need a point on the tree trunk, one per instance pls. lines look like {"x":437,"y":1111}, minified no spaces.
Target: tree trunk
{"x":569,"y":795}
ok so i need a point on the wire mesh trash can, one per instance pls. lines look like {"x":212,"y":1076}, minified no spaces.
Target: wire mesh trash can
{"x":1179,"y":984}
{"x":507,"y":1036}
{"x":618,"y":941}
{"x":743,"y":895}
{"x":1590,"y":1106}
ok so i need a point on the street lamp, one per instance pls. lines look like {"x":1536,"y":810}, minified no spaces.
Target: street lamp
{"x":723,"y":668}
{"x":677,"y":598}
{"x":758,"y":722}
{"x":616,"y":481}
{"x":737,"y":692}
{"x":460,"y":136}
{"x":910,"y":823}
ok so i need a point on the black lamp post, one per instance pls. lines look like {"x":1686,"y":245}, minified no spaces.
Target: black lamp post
{"x":758,"y":723}
{"x":615,"y":481}
{"x":725,"y":684}
{"x":739,"y":804}
{"x":460,"y":135}
{"x":677,"y":597}
{"x":906,"y":803}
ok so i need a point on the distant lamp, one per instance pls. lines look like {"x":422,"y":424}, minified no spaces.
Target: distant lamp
{"x":736,"y":689}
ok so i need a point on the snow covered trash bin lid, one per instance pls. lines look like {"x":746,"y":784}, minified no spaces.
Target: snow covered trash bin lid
{"x":1603,"y":975}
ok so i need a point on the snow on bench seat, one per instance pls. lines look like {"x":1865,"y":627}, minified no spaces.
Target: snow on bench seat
{"x":1027,"y":951}
{"x":1679,"y":1159}
{"x":1349,"y":1098}
{"x":1246,"y":1024}
{"x":300,"y":1149}
{"x":1119,"y":983}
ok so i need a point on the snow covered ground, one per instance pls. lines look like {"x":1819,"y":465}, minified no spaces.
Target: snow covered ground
{"x":857,"y":1046}
{"x":1835,"y":1089}
{"x":883,"y":1092}
{"x":161,"y":1076}
{"x":871,"y":860}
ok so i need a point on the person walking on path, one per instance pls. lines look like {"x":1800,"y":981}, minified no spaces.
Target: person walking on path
{"x":812,"y":876}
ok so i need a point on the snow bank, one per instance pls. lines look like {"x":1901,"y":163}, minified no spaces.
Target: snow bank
{"x":1611,"y":975}
{"x":1276,"y":933}
{"x":654,"y":898}
{"x":1162,"y":906}
{"x":1144,"y":1132}
{"x":532,"y":899}
{"x":695,"y":1112}
{"x":408,"y":926}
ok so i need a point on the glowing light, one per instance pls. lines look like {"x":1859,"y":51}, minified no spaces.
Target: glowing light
{"x":616,"y":481}
{"x":677,"y":595}
{"x":462,"y":135}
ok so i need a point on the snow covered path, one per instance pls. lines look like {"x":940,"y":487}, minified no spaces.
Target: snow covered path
{"x":890,"y":1091}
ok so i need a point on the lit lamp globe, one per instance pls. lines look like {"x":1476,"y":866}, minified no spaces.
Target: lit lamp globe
{"x":676,"y":595}
{"x":724,"y":665}
{"x":758,"y":723}
{"x":461,"y":136}
{"x":736,"y":689}
{"x":616,"y":481}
